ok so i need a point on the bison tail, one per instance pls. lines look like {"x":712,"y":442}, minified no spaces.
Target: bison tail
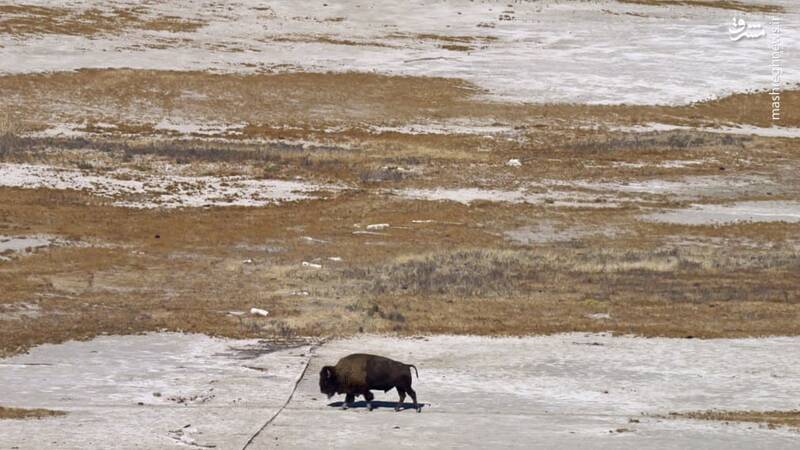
{"x":415,"y":369}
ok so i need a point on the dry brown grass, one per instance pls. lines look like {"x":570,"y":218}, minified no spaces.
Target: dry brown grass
{"x":444,"y":38}
{"x":285,"y":100}
{"x":457,"y":274}
{"x":468,"y":280}
{"x":772,"y":419}
{"x":22,"y":20}
{"x":752,"y":108}
{"x":23,"y":413}
{"x":308,"y":105}
{"x":9,"y":124}
{"x":327,"y":39}
{"x":721,"y":4}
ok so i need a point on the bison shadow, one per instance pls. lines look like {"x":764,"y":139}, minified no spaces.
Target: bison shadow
{"x":376,"y":404}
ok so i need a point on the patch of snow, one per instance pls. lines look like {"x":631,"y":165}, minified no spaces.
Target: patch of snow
{"x":755,"y":211}
{"x":560,"y":391}
{"x":551,"y":232}
{"x":67,"y":130}
{"x":688,"y":187}
{"x":10,"y":245}
{"x":543,"y":51}
{"x":22,"y":243}
{"x":126,"y":391}
{"x":17,"y":311}
{"x":469,"y":195}
{"x":314,"y":240}
{"x":742,"y":129}
{"x":151,"y":190}
{"x":669,"y":164}
{"x":259,"y":312}
{"x":199,"y":129}
{"x":599,"y":316}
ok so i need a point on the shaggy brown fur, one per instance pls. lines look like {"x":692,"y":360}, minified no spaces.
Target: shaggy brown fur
{"x":359,"y":373}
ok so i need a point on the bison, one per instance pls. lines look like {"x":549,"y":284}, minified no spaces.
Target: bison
{"x":359,"y":373}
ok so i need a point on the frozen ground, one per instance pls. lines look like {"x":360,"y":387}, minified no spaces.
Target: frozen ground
{"x":467,"y":195}
{"x":543,"y":51}
{"x":11,"y":245}
{"x":562,"y":391}
{"x":748,"y":130}
{"x":764,"y":211}
{"x":154,"y":391}
{"x":166,"y":190}
{"x":604,"y":194}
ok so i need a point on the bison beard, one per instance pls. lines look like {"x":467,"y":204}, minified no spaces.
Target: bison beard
{"x":358,"y":374}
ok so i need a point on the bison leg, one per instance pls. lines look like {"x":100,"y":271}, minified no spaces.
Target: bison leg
{"x":402,"y":394}
{"x":348,"y":401}
{"x":368,"y":397}
{"x":414,"y":398}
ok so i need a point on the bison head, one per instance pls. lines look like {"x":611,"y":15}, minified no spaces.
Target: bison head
{"x":327,"y":381}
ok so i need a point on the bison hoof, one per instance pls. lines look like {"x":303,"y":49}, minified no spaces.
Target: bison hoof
{"x":369,"y":406}
{"x":345,"y":406}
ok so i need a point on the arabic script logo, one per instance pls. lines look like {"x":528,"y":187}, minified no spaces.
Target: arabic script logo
{"x":740,"y":29}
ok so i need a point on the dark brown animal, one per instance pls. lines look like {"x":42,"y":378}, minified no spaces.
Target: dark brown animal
{"x":358,"y":374}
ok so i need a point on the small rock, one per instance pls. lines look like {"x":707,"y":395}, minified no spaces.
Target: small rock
{"x":513,"y":162}
{"x":378,"y":226}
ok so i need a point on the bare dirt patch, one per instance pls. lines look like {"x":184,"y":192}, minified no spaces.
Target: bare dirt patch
{"x":772,"y":419}
{"x":22,"y":413}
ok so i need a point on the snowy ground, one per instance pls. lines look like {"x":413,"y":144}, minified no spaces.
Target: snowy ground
{"x":765,"y":211}
{"x":544,"y":51}
{"x":561,"y":391}
{"x":153,"y":391}
{"x":11,"y":245}
{"x":164,"y":190}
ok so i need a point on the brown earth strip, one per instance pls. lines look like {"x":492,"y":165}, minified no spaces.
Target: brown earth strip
{"x":307,"y":101}
{"x":26,"y":20}
{"x":22,"y":413}
{"x":772,"y":419}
